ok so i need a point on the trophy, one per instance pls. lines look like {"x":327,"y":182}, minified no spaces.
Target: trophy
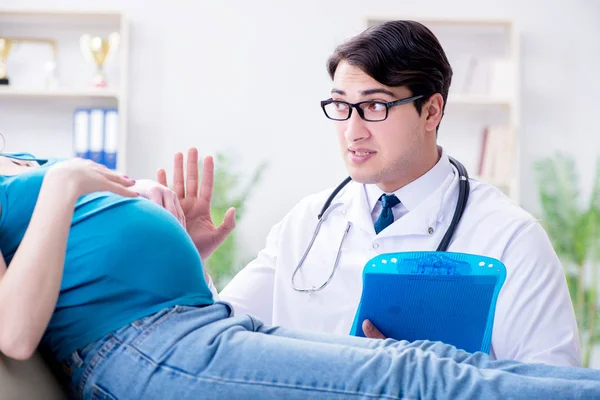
{"x":5,"y":46}
{"x":99,"y":51}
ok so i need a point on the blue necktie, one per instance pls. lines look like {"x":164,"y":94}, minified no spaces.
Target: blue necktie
{"x":386,"y":217}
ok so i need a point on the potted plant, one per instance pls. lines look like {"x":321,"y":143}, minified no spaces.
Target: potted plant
{"x":574,"y":228}
{"x":229,"y":191}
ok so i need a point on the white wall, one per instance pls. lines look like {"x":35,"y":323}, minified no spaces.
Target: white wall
{"x":266,"y":60}
{"x":187,"y":58}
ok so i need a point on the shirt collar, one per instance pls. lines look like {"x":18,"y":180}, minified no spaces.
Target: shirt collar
{"x":418,"y":190}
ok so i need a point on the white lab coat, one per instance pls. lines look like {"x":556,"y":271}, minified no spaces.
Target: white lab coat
{"x":534,"y":319}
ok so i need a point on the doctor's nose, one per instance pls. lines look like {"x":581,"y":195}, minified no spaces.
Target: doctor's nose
{"x":356,"y":129}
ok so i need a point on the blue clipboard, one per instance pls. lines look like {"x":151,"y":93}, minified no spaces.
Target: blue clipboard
{"x":436,"y":296}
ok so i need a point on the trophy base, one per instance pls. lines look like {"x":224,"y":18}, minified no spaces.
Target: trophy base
{"x":4,"y":81}
{"x":99,"y":81}
{"x":101,"y":84}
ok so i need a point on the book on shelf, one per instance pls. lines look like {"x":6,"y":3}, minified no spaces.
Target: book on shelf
{"x":497,"y":160}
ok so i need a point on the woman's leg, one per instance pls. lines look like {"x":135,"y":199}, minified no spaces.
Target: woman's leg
{"x":441,"y":350}
{"x":200,"y":353}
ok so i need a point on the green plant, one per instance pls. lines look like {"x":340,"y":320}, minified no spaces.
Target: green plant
{"x":574,"y":229}
{"x":229,"y":191}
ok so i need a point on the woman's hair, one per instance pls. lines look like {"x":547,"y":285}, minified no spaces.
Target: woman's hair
{"x":398,"y":53}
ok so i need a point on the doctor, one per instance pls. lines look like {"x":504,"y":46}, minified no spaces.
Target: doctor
{"x":390,"y":86}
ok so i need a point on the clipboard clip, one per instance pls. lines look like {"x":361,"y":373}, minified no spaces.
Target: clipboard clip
{"x":434,"y":264}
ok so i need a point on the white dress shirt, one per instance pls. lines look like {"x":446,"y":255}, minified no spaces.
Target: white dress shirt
{"x":410,"y":195}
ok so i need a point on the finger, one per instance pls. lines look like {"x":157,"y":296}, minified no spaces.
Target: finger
{"x":178,"y":182}
{"x":156,"y":197}
{"x":370,"y":330}
{"x":208,"y":179}
{"x":161,"y":177}
{"x":226,"y":226}
{"x":117,"y":178}
{"x":191,"y":181}
{"x":121,"y":190}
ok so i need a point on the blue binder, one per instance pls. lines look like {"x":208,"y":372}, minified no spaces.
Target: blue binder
{"x":111,"y":135}
{"x":81,"y":132}
{"x":97,"y":134}
{"x":436,"y":296}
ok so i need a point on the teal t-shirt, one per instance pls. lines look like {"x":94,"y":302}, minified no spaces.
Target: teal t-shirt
{"x":126,"y":258}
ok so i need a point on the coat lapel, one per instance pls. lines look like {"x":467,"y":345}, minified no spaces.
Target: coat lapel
{"x":357,"y":208}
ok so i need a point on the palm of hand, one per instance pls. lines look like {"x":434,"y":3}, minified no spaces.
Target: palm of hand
{"x":200,"y":225}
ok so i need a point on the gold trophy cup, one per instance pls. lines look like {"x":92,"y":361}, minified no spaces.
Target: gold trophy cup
{"x":5,"y":47}
{"x":99,"y":51}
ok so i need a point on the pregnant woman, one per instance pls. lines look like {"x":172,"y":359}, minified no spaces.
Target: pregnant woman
{"x":112,"y":287}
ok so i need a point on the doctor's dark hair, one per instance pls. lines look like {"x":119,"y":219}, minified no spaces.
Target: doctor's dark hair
{"x":398,"y":53}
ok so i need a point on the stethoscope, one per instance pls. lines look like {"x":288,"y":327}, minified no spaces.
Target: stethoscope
{"x":463,"y":196}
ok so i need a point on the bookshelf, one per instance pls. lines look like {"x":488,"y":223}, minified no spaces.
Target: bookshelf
{"x":484,"y":96}
{"x":37,"y":107}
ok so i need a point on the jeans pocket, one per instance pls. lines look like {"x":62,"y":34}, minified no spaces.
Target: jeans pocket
{"x":99,"y":393}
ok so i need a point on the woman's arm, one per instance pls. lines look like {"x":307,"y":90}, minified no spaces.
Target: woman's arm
{"x":29,"y":288}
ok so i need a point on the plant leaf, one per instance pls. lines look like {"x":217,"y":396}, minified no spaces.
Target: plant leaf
{"x":557,"y":186}
{"x":226,"y":260}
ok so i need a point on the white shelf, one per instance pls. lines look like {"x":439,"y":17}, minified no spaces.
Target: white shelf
{"x":64,"y":26}
{"x":12,"y":12}
{"x":60,"y":17}
{"x":60,"y":93}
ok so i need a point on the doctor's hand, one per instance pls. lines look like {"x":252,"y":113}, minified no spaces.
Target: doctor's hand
{"x":196,"y":206}
{"x":370,"y":331}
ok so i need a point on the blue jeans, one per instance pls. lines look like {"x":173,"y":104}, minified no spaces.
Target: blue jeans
{"x":206,"y":353}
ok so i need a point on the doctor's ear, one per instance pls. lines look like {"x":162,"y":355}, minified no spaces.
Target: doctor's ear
{"x":432,"y":111}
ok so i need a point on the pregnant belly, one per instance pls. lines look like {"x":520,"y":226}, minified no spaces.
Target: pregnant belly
{"x":136,"y":243}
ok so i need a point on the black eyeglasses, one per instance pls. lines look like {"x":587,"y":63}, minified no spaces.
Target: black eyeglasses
{"x":372,"y":111}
